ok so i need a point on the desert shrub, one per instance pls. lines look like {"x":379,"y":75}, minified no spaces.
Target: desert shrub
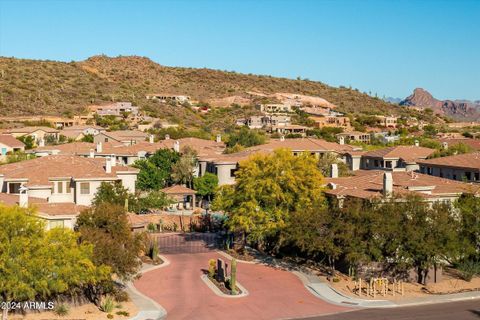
{"x":468,"y":269}
{"x":107,"y":304}
{"x":61,"y":310}
{"x":121,"y":296}
{"x":123,"y":313}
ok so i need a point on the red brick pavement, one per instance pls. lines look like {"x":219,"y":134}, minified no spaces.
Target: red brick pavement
{"x":273,"y":293}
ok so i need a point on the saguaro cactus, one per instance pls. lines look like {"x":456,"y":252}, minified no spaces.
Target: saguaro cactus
{"x":233,"y":277}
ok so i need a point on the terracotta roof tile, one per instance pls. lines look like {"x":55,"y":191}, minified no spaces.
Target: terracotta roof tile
{"x":11,"y":141}
{"x":467,"y":160}
{"x":406,"y":153}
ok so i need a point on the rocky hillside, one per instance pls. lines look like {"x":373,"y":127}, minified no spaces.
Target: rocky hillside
{"x":457,"y":109}
{"x":50,"y":87}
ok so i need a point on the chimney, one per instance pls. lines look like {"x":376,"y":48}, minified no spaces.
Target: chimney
{"x":113,"y":160}
{"x":334,"y":170}
{"x":219,"y":138}
{"x":417,"y":143}
{"x":341,"y":140}
{"x":387,"y":184}
{"x":108,"y":165}
{"x":151,"y":139}
{"x":99,"y":147}
{"x":23,"y":198}
{"x":91,"y":154}
{"x":167,"y":137}
{"x":176,"y":146}
{"x":282,"y":138}
{"x":41,"y":142}
{"x":445,"y":145}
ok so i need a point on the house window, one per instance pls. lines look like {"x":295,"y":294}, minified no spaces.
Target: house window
{"x":69,"y":187}
{"x":106,"y":139}
{"x":375,"y":163}
{"x":477,"y":176}
{"x":60,"y":187}
{"x":232,"y":172}
{"x":468,"y":176}
{"x":388,"y":164}
{"x":56,"y":224}
{"x":14,"y":187}
{"x":85,"y":188}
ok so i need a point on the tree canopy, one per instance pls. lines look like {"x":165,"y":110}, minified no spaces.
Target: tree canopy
{"x":155,"y":172}
{"x":268,"y":189}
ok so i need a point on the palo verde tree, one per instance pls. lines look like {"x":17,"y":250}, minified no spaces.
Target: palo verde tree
{"x":268,"y":189}
{"x":39,"y":264}
{"x":206,"y":185}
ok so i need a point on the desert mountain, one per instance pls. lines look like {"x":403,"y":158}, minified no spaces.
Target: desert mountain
{"x":457,"y":109}
{"x":29,"y":87}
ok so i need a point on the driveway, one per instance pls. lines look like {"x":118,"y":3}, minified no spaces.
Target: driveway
{"x":273,"y":293}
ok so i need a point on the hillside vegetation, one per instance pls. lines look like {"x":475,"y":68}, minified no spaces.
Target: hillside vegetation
{"x":31,"y":87}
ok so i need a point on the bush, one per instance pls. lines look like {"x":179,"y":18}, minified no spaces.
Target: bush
{"x":61,"y":310}
{"x":110,"y":316}
{"x":123,"y":313}
{"x":152,"y":227}
{"x":107,"y":304}
{"x":211,"y":268}
{"x":468,"y":269}
{"x":121,"y":296}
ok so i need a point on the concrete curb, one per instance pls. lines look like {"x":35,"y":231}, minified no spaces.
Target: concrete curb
{"x":149,"y":309}
{"x":219,"y":292}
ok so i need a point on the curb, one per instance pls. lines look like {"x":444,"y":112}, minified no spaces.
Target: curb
{"x":147,"y":314}
{"x":219,"y":292}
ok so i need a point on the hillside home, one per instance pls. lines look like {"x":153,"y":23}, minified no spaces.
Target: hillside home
{"x":117,"y":109}
{"x":38,"y":133}
{"x":286,"y":129}
{"x":462,"y":167}
{"x":276,"y":108}
{"x":163,"y":97}
{"x":9,"y":144}
{"x":331,"y":122}
{"x":388,"y":121}
{"x":78,"y":132}
{"x":64,"y":179}
{"x":127,"y":137}
{"x":354,"y":136}
{"x":395,"y":158}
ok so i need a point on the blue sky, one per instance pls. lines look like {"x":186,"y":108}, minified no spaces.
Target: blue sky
{"x":383,"y":47}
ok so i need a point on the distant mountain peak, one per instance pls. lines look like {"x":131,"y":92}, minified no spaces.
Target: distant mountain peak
{"x":457,"y":109}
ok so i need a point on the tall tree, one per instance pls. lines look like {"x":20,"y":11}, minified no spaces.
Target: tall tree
{"x":183,"y":170}
{"x":206,"y":185}
{"x":268,"y":189}
{"x":155,"y":172}
{"x":107,"y":228}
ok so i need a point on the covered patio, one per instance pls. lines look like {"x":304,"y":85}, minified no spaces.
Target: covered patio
{"x":184,"y":197}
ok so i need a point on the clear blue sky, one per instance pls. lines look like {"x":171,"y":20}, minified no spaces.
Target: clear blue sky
{"x":386,"y":47}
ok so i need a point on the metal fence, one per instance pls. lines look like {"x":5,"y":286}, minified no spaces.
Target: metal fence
{"x":188,"y":242}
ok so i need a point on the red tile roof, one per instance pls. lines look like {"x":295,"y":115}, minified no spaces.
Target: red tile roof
{"x":406,"y":153}
{"x":39,"y":171}
{"x":11,"y":141}
{"x":369,"y":184}
{"x":466,"y":160}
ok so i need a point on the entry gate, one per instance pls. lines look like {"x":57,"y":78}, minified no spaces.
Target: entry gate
{"x":172,"y":243}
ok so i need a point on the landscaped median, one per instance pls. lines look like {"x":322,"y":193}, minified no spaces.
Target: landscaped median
{"x":217,"y":279}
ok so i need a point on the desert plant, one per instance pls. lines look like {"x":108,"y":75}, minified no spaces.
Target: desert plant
{"x":468,"y":269}
{"x":123,"y":313}
{"x":153,"y":250}
{"x":121,"y":296}
{"x":233,"y":276}
{"x":107,"y":305}
{"x":212,"y":268}
{"x":152,"y":227}
{"x":61,"y":310}
{"x":110,"y":316}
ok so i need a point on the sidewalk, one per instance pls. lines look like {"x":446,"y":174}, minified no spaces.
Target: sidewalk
{"x":149,"y":309}
{"x":325,"y":292}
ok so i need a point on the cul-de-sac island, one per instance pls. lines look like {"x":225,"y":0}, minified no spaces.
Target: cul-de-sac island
{"x":134,"y":190}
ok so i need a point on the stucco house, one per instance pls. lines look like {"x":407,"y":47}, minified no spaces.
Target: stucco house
{"x":398,"y":157}
{"x":127,"y":137}
{"x":9,"y":144}
{"x":462,"y":167}
{"x":38,"y":133}
{"x":64,"y":178}
{"x":77,"y":133}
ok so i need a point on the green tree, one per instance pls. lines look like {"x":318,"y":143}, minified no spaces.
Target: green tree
{"x":114,"y":193}
{"x":39,"y":264}
{"x":206,"y":185}
{"x":468,"y":208}
{"x":88,"y":138}
{"x":246,"y":137}
{"x":183,"y":169}
{"x":106,"y":227}
{"x":325,"y":165}
{"x":29,"y":141}
{"x":268,"y":189}
{"x":155,"y":172}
